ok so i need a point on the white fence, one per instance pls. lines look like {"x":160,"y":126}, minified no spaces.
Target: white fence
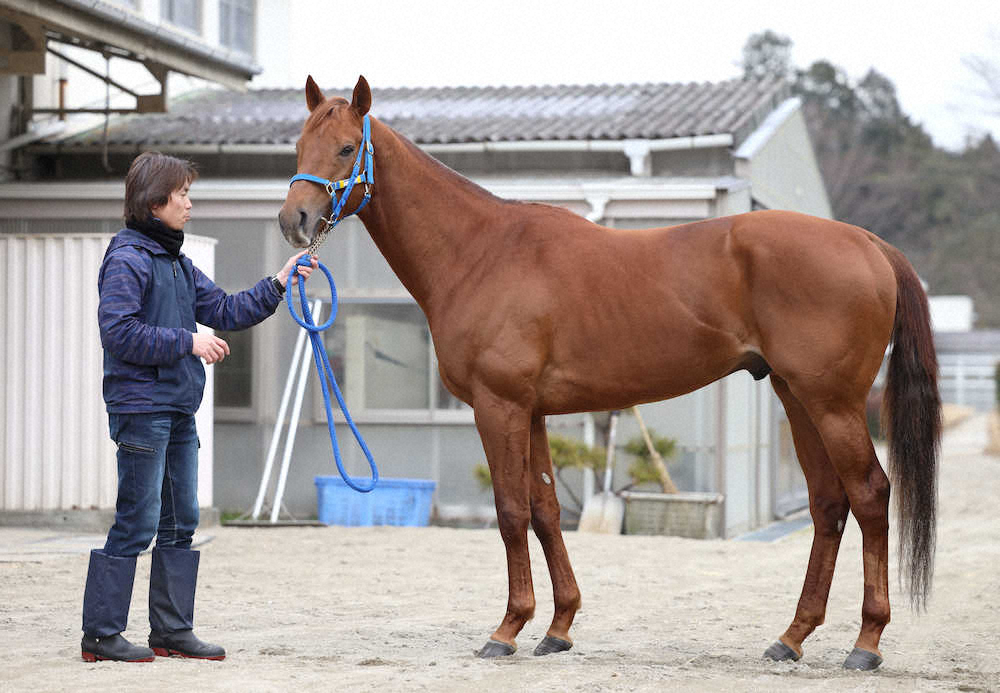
{"x":968,"y":379}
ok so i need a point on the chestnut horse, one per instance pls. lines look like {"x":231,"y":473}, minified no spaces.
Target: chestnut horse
{"x":534,"y":310}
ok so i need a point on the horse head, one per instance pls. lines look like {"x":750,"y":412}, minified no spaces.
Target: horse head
{"x":327,"y":148}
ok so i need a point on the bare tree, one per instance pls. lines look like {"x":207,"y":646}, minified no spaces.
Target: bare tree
{"x":989,"y":74}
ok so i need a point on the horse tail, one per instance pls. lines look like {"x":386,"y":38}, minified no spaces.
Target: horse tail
{"x":912,"y":415}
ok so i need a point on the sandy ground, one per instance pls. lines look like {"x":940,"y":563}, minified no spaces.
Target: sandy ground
{"x":401,"y":609}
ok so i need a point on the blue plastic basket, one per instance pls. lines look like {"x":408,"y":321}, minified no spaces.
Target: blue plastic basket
{"x":398,"y":502}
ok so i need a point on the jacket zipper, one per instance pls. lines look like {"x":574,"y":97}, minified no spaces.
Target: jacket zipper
{"x":185,"y":363}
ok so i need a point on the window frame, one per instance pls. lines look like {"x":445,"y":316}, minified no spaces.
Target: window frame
{"x":249,"y":412}
{"x":167,"y":8}
{"x":236,"y":7}
{"x":432,"y":414}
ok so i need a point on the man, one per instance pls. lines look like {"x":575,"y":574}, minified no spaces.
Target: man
{"x":151,"y":296}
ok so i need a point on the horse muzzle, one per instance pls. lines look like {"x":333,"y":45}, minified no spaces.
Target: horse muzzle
{"x":299,"y":226}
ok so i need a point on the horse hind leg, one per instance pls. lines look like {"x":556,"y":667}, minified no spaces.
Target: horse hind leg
{"x":841,"y":425}
{"x":828,"y":506}
{"x":545,"y":522}
{"x":504,"y":428}
{"x":846,"y":436}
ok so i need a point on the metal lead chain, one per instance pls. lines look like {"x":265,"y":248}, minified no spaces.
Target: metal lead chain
{"x":318,"y":240}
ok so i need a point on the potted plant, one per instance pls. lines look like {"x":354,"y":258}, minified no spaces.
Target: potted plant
{"x":653,"y":505}
{"x":665,"y":511}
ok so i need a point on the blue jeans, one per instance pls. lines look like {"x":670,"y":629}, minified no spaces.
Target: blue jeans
{"x":157,"y":482}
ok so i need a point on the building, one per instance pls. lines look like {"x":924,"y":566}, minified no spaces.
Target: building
{"x":623,"y":155}
{"x":67,"y":65}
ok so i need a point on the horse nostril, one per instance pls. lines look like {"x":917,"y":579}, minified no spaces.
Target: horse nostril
{"x":302,"y":220}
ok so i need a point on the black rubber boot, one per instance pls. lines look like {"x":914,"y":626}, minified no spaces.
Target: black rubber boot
{"x":173,"y":577}
{"x":184,"y":643}
{"x":114,"y":648}
{"x":106,"y":599}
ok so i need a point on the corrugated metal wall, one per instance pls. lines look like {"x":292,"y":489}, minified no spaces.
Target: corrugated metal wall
{"x":55,"y":452}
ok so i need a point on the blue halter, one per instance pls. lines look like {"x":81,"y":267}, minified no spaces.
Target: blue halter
{"x":367,"y":152}
{"x":307,"y":322}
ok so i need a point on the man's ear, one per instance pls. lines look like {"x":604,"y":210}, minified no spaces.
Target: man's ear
{"x":314,"y":97}
{"x":361,"y":101}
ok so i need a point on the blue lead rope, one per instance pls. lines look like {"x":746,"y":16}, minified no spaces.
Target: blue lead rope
{"x":326,"y":372}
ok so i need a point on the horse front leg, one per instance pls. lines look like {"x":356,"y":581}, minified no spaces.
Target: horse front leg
{"x":504,"y":428}
{"x":545,"y":522}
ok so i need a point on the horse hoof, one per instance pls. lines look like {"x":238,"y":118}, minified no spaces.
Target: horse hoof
{"x":780,"y":652}
{"x":550,"y":645}
{"x":862,"y":660}
{"x":495,"y":648}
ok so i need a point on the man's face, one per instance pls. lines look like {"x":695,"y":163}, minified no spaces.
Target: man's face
{"x":177,"y":211}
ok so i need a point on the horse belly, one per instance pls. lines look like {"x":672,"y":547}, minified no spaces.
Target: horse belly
{"x":627,"y":372}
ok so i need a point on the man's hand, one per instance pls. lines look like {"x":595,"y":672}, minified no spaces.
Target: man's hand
{"x":209,"y":347}
{"x":303,"y":271}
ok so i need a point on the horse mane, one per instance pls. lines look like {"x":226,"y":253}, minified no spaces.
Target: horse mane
{"x":444,"y":170}
{"x":476,"y":190}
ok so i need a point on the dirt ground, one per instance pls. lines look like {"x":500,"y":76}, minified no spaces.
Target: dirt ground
{"x":403,"y":609}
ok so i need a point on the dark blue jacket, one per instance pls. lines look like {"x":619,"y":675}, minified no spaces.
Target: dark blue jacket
{"x":149,"y":303}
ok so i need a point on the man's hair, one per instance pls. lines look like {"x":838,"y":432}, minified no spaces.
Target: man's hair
{"x":150,"y":180}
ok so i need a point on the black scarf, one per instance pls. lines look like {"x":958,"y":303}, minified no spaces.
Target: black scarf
{"x":154,"y":229}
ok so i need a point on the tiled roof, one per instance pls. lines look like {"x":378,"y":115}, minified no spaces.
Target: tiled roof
{"x":463,"y":114}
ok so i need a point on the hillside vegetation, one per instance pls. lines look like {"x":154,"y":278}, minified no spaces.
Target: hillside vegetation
{"x":883,"y":172}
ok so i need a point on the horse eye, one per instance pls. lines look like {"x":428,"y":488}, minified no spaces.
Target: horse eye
{"x":347,"y":151}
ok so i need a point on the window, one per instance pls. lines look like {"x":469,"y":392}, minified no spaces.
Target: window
{"x":183,"y":13}
{"x":236,"y":20}
{"x":382,"y":358}
{"x":234,"y":374}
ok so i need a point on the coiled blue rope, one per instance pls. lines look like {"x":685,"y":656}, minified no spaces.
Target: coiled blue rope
{"x":326,"y":372}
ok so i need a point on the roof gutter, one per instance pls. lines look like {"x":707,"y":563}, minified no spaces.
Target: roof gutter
{"x":775,"y":119}
{"x":35,"y":133}
{"x":638,"y":151}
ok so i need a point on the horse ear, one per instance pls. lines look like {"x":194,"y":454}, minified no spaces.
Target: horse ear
{"x":314,"y":97}
{"x":362,"y":99}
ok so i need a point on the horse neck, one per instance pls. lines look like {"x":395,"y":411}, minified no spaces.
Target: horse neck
{"x":425,"y":219}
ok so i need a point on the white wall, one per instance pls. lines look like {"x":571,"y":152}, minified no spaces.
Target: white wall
{"x":779,"y":161}
{"x":276,"y":45}
{"x":952,"y":313}
{"x":201,"y":250}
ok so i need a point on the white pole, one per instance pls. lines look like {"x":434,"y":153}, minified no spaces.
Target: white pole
{"x":293,"y":425}
{"x":588,"y":440}
{"x":960,"y":380}
{"x":610,"y":460}
{"x":280,"y":421}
